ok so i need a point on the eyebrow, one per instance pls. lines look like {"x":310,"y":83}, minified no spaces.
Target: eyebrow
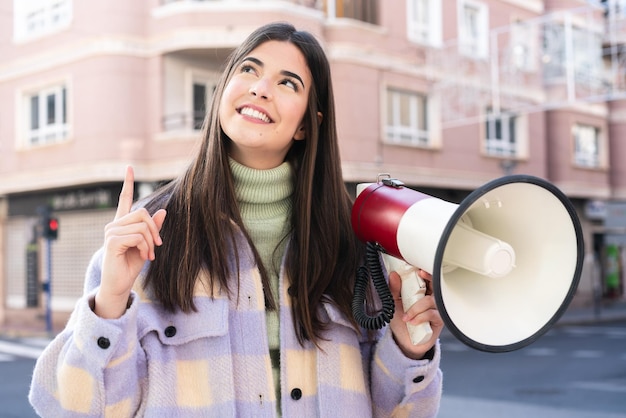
{"x":283,"y":72}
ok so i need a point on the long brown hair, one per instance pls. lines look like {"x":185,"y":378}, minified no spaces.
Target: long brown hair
{"x":203,"y":220}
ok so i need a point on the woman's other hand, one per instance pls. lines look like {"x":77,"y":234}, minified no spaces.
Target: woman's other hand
{"x":424,"y":310}
{"x":129,"y":241}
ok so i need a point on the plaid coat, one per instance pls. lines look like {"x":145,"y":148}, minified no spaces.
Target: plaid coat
{"x":215,"y":363}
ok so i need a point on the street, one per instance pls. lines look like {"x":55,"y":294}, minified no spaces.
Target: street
{"x":17,"y":359}
{"x":571,"y":372}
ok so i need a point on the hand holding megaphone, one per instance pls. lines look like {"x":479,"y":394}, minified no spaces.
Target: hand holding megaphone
{"x":413,"y":289}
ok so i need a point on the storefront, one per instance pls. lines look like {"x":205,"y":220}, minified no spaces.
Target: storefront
{"x":82,"y":214}
{"x":609,"y":246}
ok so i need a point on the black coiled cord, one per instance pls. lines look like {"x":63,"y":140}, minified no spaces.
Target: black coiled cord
{"x":373,"y":267}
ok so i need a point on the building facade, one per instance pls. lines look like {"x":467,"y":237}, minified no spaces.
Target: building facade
{"x":444,"y":94}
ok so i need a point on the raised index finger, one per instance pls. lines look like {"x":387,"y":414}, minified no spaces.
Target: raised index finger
{"x":126,"y":195}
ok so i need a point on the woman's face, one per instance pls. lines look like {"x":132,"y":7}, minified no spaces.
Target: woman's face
{"x":264,"y":103}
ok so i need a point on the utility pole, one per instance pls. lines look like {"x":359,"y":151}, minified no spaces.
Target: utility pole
{"x":49,"y":232}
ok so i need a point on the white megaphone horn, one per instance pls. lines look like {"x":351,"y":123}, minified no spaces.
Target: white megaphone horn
{"x":505,"y":262}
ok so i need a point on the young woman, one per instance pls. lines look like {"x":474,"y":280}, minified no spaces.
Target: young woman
{"x":228,"y":292}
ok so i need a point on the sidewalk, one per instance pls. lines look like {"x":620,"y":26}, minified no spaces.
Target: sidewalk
{"x":607,"y":311}
{"x":31,"y":325}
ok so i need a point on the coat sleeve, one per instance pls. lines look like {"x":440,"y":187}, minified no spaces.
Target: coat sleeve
{"x":402,"y":387}
{"x":94,"y":367}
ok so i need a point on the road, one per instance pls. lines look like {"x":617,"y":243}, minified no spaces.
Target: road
{"x":571,"y":372}
{"x":17,"y":359}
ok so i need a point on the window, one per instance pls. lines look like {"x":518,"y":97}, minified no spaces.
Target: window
{"x":46,"y":116}
{"x":585,"y":54}
{"x":473,"y":29}
{"x":587,"y":49}
{"x":35,"y":18}
{"x":407,"y":118}
{"x":586,"y":145}
{"x":500,"y":134}
{"x":203,"y":86}
{"x":616,"y":9}
{"x":199,"y":104}
{"x":424,"y":21}
{"x":363,"y":10}
{"x":523,"y":46}
{"x":189,"y":91}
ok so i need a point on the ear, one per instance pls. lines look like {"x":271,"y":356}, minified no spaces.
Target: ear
{"x":300,"y":133}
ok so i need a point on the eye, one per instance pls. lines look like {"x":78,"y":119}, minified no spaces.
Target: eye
{"x":247,"y":68}
{"x":290,"y":83}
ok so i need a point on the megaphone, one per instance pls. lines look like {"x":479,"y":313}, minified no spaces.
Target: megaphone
{"x":505,"y":262}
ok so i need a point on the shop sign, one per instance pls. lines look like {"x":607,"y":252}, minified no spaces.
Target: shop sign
{"x":595,"y":210}
{"x":65,"y":200}
{"x":81,"y":199}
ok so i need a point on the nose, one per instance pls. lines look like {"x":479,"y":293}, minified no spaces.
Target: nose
{"x":261,"y":88}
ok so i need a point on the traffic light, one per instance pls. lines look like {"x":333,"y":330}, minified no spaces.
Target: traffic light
{"x":50,"y":228}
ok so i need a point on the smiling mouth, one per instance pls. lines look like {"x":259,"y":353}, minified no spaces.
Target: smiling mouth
{"x":246,"y":111}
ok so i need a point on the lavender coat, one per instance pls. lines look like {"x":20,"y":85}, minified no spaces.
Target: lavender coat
{"x":215,"y":363}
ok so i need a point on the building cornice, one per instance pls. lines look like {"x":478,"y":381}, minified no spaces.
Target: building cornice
{"x":224,"y":36}
{"x":179,"y":39}
{"x":574,"y":189}
{"x":535,"y":6}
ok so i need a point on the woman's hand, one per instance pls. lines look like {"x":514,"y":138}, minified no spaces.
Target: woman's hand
{"x":424,"y":310}
{"x":129,"y":241}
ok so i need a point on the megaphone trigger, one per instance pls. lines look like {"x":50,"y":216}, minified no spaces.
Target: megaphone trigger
{"x":413,"y":289}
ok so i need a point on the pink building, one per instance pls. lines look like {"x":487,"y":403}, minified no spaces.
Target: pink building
{"x":444,"y":94}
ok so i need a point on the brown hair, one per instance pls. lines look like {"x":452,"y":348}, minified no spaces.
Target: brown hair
{"x":203,"y":220}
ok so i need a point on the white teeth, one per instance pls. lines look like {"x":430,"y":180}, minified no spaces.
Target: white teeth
{"x":255,"y":114}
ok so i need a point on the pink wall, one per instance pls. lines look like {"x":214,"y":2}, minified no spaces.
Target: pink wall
{"x":116,"y":100}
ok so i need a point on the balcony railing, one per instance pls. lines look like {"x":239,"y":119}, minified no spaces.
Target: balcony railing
{"x":317,"y":4}
{"x":183,"y":121}
{"x":542,"y":63}
{"x":362,"y":10}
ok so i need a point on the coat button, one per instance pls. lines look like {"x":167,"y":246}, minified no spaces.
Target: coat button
{"x":418,"y":379}
{"x":104,"y":343}
{"x":170,"y":331}
{"x":296,"y":394}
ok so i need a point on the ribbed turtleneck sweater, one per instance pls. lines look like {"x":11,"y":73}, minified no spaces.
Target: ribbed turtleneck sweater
{"x":265,"y":203}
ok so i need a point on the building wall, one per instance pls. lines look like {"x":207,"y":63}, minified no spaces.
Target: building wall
{"x":128,"y":65}
{"x":577,"y":182}
{"x":617,"y":146}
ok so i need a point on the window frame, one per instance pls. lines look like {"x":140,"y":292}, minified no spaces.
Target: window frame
{"x":208,"y":79}
{"x":37,"y":126}
{"x":33,"y":19}
{"x":581,"y":157}
{"x":467,"y":47}
{"x":429,"y":30}
{"x":524,"y":35}
{"x":615,"y":9}
{"x":501,"y":145}
{"x":411,"y":134}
